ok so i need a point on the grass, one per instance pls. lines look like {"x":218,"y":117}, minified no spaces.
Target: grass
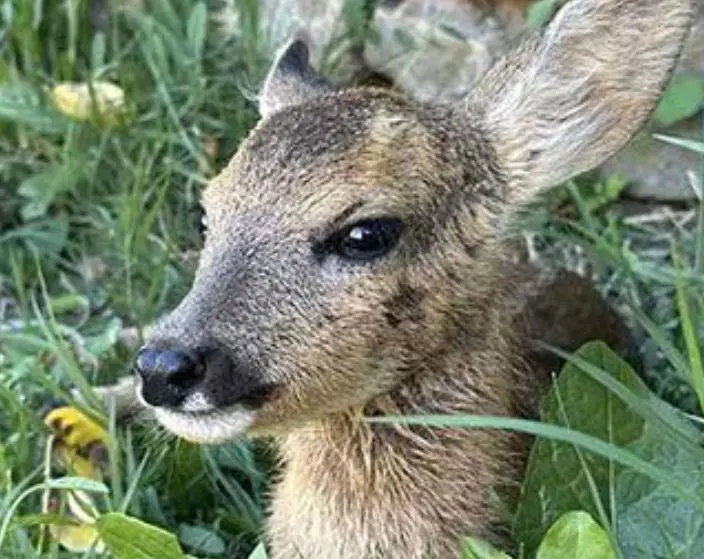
{"x":99,"y":221}
{"x":96,"y":226}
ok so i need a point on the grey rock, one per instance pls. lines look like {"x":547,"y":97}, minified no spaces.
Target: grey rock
{"x":279,"y":19}
{"x":433,"y":49}
{"x":657,"y":170}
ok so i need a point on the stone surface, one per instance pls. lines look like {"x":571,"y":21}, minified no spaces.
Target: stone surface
{"x":433,"y":49}
{"x":657,"y":170}
{"x":331,"y":50}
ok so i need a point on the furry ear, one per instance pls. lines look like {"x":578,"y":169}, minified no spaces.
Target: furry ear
{"x":565,"y":101}
{"x":291,"y":79}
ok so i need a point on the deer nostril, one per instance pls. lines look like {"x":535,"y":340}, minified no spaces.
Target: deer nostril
{"x":167,"y":375}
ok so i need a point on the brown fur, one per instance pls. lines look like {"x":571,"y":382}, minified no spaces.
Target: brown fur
{"x":442,"y":323}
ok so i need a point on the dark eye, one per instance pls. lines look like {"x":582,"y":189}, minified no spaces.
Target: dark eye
{"x":367,"y":239}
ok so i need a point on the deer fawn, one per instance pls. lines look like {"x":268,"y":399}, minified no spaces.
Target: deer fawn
{"x":355,"y":265}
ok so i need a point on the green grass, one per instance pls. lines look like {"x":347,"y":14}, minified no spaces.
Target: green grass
{"x":98,"y":224}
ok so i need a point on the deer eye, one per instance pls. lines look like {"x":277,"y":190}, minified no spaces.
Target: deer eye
{"x":367,"y":239}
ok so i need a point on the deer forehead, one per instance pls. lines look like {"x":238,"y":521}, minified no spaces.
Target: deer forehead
{"x":312,"y":162}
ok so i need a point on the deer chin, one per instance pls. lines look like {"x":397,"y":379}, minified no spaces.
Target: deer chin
{"x":213,"y":427}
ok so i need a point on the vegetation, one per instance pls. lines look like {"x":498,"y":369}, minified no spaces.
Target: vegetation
{"x":99,"y":221}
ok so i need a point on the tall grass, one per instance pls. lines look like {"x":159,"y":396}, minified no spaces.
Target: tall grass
{"x":97,"y":224}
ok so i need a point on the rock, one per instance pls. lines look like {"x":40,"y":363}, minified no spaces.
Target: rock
{"x":657,"y":170}
{"x":332,"y":49}
{"x":433,"y":49}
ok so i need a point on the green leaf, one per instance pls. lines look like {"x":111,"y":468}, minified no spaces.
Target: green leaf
{"x":78,"y":484}
{"x":22,"y":104}
{"x":200,"y":540}
{"x":97,"y":51}
{"x":689,"y":330}
{"x":42,"y":189}
{"x":690,"y":145}
{"x":576,"y":534}
{"x":196,"y":29}
{"x":108,"y":336}
{"x":129,"y":538}
{"x":541,"y":12}
{"x":602,"y":194}
{"x":651,"y":520}
{"x":560,"y":477}
{"x":646,"y":515}
{"x":259,"y":552}
{"x":48,"y":236}
{"x":681,"y":100}
{"x":473,"y":548}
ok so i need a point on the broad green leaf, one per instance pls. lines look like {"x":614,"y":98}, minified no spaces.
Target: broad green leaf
{"x":559,"y":477}
{"x":576,"y":534}
{"x":651,"y":521}
{"x":48,"y":236}
{"x":259,"y":552}
{"x":70,"y":302}
{"x":473,"y":548}
{"x":681,"y":100}
{"x":185,"y":480}
{"x":97,"y":51}
{"x":200,"y":540}
{"x":647,"y":515}
{"x":21,"y":103}
{"x":129,"y":538}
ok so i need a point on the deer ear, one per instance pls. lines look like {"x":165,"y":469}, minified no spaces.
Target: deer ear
{"x":291,"y":80}
{"x":565,"y":101}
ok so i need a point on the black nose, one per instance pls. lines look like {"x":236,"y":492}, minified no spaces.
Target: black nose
{"x":167,"y":375}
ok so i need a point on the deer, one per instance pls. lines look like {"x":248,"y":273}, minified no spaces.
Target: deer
{"x":356,"y":264}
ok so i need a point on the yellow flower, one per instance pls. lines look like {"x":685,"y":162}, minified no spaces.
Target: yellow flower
{"x":76,"y":437}
{"x":83,"y":535}
{"x":99,"y":100}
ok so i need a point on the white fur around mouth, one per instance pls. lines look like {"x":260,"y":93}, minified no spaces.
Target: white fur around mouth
{"x":206,"y":428}
{"x":197,"y":403}
{"x":199,"y":421}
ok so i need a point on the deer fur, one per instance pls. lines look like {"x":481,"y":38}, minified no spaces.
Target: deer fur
{"x":440,"y":324}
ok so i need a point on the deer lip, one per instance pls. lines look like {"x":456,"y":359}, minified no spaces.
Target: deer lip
{"x":200,"y":405}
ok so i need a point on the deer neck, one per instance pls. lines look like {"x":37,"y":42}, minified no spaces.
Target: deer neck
{"x":351,"y":488}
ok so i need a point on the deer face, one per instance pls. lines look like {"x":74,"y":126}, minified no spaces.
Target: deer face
{"x":335,"y":240}
{"x":351,"y":240}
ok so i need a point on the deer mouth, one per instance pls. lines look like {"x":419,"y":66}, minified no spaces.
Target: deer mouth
{"x":202,"y":404}
{"x":199,"y":421}
{"x":207,"y":428}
